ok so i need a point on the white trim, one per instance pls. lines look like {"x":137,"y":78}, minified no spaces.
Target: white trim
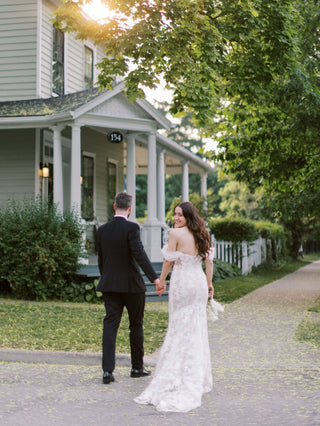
{"x":37,"y":165}
{"x":158,"y":116}
{"x":131,"y":124}
{"x":93,"y":47}
{"x":131,"y":172}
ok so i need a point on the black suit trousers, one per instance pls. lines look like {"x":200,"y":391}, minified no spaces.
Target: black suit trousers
{"x":114,"y":304}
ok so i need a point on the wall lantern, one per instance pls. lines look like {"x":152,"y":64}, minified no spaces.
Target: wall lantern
{"x":45,"y":170}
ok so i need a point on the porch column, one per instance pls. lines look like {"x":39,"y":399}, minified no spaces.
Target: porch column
{"x":152,"y":177}
{"x":152,"y":229}
{"x":161,"y":187}
{"x":76,"y":169}
{"x":131,"y":173}
{"x":204,"y":190}
{"x":185,"y":181}
{"x":57,"y":168}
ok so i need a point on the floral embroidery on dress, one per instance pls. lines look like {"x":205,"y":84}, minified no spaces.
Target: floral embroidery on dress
{"x":183,"y":373}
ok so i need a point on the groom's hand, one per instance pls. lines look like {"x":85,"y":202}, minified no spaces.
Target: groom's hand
{"x":160,"y":287}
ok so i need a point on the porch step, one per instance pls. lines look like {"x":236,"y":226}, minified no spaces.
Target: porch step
{"x":92,"y":272}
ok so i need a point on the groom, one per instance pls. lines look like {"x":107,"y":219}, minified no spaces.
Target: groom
{"x":120,"y":251}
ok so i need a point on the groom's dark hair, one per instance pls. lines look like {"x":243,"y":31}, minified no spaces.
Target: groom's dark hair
{"x":123,"y":200}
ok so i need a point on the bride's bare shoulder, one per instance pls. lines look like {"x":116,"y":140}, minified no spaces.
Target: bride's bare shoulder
{"x":177,"y":232}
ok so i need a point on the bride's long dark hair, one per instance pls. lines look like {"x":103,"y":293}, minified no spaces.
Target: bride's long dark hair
{"x":196,"y":226}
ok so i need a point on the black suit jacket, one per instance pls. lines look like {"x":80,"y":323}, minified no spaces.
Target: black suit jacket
{"x":120,"y":251}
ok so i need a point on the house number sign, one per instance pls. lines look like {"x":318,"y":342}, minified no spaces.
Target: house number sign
{"x":115,"y":137}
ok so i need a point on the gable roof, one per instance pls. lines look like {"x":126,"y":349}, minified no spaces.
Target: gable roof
{"x":49,"y":106}
{"x":73,"y":105}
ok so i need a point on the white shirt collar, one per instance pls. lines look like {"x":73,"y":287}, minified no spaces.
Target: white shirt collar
{"x":121,"y":215}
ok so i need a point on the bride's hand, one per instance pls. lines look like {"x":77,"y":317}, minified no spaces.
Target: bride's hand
{"x":211,"y":291}
{"x":161,"y":287}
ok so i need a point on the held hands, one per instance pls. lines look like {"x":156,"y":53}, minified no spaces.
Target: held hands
{"x":211,"y":291}
{"x":160,"y":286}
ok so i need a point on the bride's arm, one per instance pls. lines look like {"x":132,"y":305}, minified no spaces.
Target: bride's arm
{"x":167,"y":265}
{"x":209,"y":275}
{"x":161,"y":287}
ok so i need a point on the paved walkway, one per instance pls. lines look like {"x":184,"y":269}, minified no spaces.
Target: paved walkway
{"x":262,"y":375}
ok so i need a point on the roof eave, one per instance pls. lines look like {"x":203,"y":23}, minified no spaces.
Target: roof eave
{"x":185,"y":153}
{"x":35,"y":121}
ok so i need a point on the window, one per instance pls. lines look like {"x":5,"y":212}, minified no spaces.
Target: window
{"x":87,"y":188}
{"x":111,"y":187}
{"x":88,"y":67}
{"x":58,"y":63}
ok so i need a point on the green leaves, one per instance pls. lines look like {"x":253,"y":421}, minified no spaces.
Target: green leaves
{"x":200,"y":48}
{"x":39,"y":249}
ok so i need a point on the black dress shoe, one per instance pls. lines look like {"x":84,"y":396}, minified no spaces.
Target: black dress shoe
{"x":140,"y":373}
{"x":107,"y":377}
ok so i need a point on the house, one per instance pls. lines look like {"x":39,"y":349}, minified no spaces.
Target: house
{"x":61,"y":137}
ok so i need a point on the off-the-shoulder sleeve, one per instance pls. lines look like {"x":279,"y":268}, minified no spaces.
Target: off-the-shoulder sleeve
{"x":210,"y":254}
{"x":171,"y":256}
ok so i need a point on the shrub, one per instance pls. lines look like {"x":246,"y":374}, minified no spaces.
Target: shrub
{"x":231,"y":229}
{"x":276,"y":237}
{"x":270,"y":230}
{"x":39,"y":249}
{"x":81,"y":292}
{"x":223,"y":270}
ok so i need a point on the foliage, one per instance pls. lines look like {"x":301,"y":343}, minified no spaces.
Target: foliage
{"x":237,"y":200}
{"x":81,"y":292}
{"x":71,"y":327}
{"x":309,"y":331}
{"x":233,"y":229}
{"x":39,"y":249}
{"x":201,"y":49}
{"x":223,"y":270}
{"x":195,"y":199}
{"x":272,"y":140}
{"x":78,"y":327}
{"x":183,"y":130}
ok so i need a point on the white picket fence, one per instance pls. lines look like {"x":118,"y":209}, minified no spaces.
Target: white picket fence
{"x":244,"y":254}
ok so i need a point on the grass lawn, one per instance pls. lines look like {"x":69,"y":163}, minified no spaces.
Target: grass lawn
{"x":60,"y":326}
{"x":309,"y":328}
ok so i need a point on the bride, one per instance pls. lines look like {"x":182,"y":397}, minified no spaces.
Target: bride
{"x":183,"y":371}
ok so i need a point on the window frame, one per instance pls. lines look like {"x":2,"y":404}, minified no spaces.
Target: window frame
{"x":116,"y":164}
{"x":88,"y":80}
{"x":58,"y":61}
{"x":93,"y":156}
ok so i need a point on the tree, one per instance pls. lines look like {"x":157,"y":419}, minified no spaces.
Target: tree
{"x":237,"y":200}
{"x":254,"y":62}
{"x":202,"y":49}
{"x":273,"y":141}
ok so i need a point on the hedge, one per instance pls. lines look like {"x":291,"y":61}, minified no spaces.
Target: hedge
{"x":235,"y":230}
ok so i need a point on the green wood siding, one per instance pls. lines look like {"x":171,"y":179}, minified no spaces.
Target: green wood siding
{"x":17,"y":165}
{"x":46,"y":50}
{"x":18,"y":49}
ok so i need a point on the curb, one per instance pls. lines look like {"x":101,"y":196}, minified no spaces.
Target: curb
{"x":65,"y":358}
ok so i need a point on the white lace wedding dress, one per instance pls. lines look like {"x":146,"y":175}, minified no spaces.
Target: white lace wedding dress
{"x":183,"y":371}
